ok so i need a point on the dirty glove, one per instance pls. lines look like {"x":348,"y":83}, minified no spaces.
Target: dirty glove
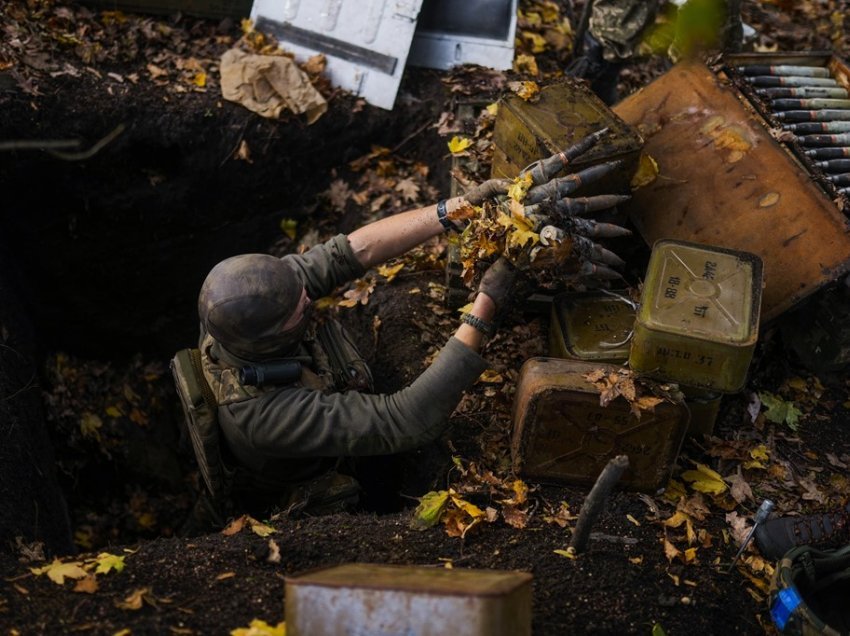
{"x":498,"y":283}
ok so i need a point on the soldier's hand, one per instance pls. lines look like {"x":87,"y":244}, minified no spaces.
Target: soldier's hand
{"x":498,"y":283}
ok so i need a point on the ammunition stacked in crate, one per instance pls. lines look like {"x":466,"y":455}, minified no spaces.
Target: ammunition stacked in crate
{"x":811,"y":100}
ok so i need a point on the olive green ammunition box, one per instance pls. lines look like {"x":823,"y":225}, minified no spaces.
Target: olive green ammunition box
{"x":562,"y":434}
{"x":361,"y":598}
{"x":728,"y":178}
{"x":704,"y":407}
{"x":564,"y":114}
{"x":699,"y":316}
{"x":591,"y":326}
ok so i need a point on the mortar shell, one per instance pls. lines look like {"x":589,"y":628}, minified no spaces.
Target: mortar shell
{"x":834,"y":165}
{"x":813,"y":128}
{"x":828,"y":153}
{"x":840,"y":179}
{"x":809,"y":104}
{"x":825,"y":140}
{"x":844,"y":191}
{"x":827,"y":92}
{"x":785,"y":70}
{"x":813,"y":115}
{"x":775,"y":80}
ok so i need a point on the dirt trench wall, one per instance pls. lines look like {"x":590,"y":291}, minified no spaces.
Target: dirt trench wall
{"x":114,"y":248}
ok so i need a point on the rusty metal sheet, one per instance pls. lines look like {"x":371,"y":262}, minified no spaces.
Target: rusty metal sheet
{"x":725,"y":181}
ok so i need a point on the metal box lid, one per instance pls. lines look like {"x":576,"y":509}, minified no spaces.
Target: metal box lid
{"x":592,"y":326}
{"x":562,"y":434}
{"x":419,"y":580}
{"x":701,"y":291}
{"x":563,"y":114}
{"x":366,"y":43}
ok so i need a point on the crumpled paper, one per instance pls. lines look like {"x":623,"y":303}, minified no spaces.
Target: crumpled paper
{"x":268,"y":84}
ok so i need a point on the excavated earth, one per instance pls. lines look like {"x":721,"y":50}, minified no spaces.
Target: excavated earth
{"x":101,"y":258}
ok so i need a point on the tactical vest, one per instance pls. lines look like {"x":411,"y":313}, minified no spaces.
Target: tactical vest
{"x":205,"y":383}
{"x":810,"y":591}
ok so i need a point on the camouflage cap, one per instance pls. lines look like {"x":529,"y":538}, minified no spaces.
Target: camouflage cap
{"x":245,"y":301}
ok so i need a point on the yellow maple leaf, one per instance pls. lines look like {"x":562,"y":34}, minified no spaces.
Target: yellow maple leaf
{"x":526,"y":64}
{"x":260,"y":528}
{"x":705,"y":480}
{"x":107,"y":562}
{"x":519,"y":188}
{"x":536,"y":41}
{"x":469,"y":508}
{"x":58,"y":571}
{"x":760,"y":453}
{"x":200,"y":79}
{"x":459,"y":144}
{"x":89,"y":425}
{"x":646,"y":173}
{"x":260,"y":628}
{"x":430,"y":509}
{"x":289,"y":227}
{"x":525,"y":90}
{"x":390,"y":271}
{"x":519,"y":230}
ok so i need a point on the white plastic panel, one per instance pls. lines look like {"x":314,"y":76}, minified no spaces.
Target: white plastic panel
{"x":366,"y":42}
{"x":469,"y":32}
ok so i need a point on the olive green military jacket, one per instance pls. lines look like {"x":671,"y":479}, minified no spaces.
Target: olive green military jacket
{"x":281,"y":434}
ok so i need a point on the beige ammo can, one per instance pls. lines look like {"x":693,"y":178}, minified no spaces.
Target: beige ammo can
{"x":562,"y":434}
{"x":360,"y":599}
{"x":591,"y":326}
{"x":699,"y":316}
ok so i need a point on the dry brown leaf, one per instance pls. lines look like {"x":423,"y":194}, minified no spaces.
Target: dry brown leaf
{"x":225,"y":575}
{"x":235,"y":526}
{"x":514,"y":516}
{"x":87,"y":585}
{"x":135,"y":600}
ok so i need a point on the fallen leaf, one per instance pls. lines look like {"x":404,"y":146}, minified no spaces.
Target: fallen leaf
{"x":235,"y":526}
{"x":633,"y":520}
{"x":740,"y":489}
{"x":514,"y":517}
{"x":258,"y":627}
{"x":458,"y":145}
{"x":87,"y":585}
{"x":225,"y":575}
{"x":430,"y":509}
{"x":90,"y":425}
{"x":636,"y":560}
{"x":260,"y":529}
{"x":525,"y":90}
{"x":135,"y":600}
{"x":289,"y":227}
{"x":107,"y":562}
{"x":58,"y":571}
{"x":274,"y":552}
{"x":780,"y":412}
{"x":570,"y":553}
{"x":705,"y":480}
{"x":671,"y":551}
{"x":390,"y":271}
{"x":363,"y":287}
{"x":646,"y":173}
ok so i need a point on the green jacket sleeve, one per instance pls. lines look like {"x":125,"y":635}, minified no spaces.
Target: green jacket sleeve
{"x":299,"y":422}
{"x":326,"y":266}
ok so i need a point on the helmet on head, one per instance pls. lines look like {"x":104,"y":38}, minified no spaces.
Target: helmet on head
{"x":245,"y":301}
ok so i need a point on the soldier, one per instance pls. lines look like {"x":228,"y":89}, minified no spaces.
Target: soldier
{"x":619,"y":30}
{"x":291,"y":395}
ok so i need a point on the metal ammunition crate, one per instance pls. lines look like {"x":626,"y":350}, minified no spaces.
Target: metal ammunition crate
{"x":563,"y":114}
{"x":591,"y":326}
{"x":704,"y":407}
{"x":726,"y":179}
{"x":562,"y":434}
{"x":360,"y":598}
{"x":699,"y":315}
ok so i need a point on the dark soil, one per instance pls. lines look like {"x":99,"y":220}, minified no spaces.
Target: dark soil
{"x":102,"y":258}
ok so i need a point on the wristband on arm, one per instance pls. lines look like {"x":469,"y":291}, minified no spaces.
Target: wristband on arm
{"x":486,"y":328}
{"x":443,"y":217}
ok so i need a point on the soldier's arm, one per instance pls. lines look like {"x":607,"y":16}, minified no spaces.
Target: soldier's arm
{"x":394,"y":235}
{"x":299,"y":422}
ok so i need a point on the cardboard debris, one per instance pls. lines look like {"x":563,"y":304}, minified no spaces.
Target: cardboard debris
{"x":269,"y":84}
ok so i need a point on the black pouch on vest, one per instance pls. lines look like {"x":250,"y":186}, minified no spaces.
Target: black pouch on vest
{"x":348,"y":367}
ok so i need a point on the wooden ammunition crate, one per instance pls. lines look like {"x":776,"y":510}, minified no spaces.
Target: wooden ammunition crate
{"x":563,"y":114}
{"x":361,"y":598}
{"x":562,"y":434}
{"x":726,"y":180}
